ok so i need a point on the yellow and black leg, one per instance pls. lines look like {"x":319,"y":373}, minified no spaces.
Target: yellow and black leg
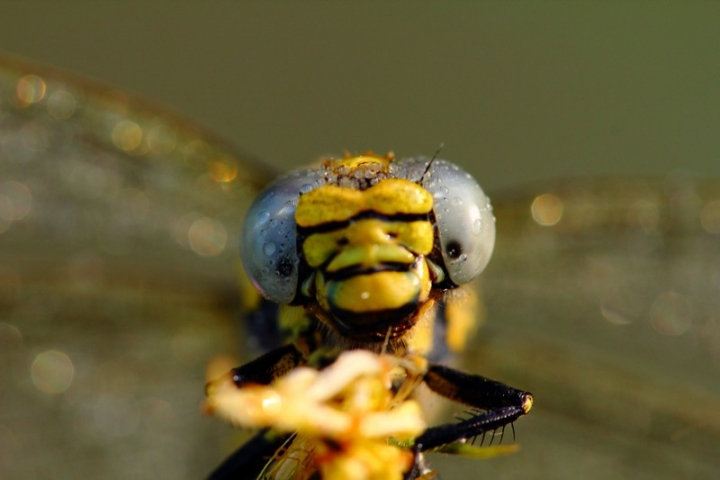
{"x":499,"y":405}
{"x":251,"y":458}
{"x":271,"y":366}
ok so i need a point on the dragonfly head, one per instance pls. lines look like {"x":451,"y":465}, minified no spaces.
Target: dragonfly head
{"x":365,"y":240}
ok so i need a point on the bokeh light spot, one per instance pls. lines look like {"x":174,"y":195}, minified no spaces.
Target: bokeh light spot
{"x":671,"y":314}
{"x":52,"y":372}
{"x":644,"y":214}
{"x":62,"y":104}
{"x":207,"y":237}
{"x":223,"y":171}
{"x":710,"y":217}
{"x":181,"y":227}
{"x":30,"y":89}
{"x":547,"y":210}
{"x":15,"y":201}
{"x":161,"y":139}
{"x":11,"y":339}
{"x":127,"y":135}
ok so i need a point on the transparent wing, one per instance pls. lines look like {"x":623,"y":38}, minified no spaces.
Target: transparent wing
{"x":118,"y":243}
{"x":603,"y":300}
{"x":118,"y":240}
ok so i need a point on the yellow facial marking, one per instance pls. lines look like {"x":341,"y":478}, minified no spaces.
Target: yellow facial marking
{"x":369,"y":242}
{"x":320,"y":246}
{"x":418,"y":237}
{"x":367,"y":256}
{"x":376,"y":292}
{"x":397,"y":195}
{"x":331,"y":203}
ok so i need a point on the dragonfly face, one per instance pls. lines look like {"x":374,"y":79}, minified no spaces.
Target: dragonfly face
{"x":368,"y":243}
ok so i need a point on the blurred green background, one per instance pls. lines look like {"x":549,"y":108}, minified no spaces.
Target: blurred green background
{"x":515,"y":90}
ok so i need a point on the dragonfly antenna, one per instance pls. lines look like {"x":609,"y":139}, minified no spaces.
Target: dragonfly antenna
{"x":427,"y":167}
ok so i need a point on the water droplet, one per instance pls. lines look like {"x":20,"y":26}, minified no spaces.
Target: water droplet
{"x":477,"y":226}
{"x":263,"y":217}
{"x":269,"y":248}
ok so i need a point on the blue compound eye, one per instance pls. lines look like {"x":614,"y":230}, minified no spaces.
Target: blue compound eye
{"x":268,"y":249}
{"x":463,"y":215}
{"x":465,"y":221}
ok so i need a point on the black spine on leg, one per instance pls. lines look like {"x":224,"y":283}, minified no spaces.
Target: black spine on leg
{"x":445,"y":434}
{"x":500,"y":404}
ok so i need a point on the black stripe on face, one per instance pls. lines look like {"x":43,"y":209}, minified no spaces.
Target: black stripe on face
{"x":353,"y":271}
{"x":333,"y":226}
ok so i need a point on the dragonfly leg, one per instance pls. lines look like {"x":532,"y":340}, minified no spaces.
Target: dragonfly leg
{"x":272,"y":365}
{"x":499,"y":404}
{"x":250,"y":459}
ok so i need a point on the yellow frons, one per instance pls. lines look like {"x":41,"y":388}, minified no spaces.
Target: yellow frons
{"x":331,"y":203}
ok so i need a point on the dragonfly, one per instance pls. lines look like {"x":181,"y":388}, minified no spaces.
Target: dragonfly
{"x":119,"y":228}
